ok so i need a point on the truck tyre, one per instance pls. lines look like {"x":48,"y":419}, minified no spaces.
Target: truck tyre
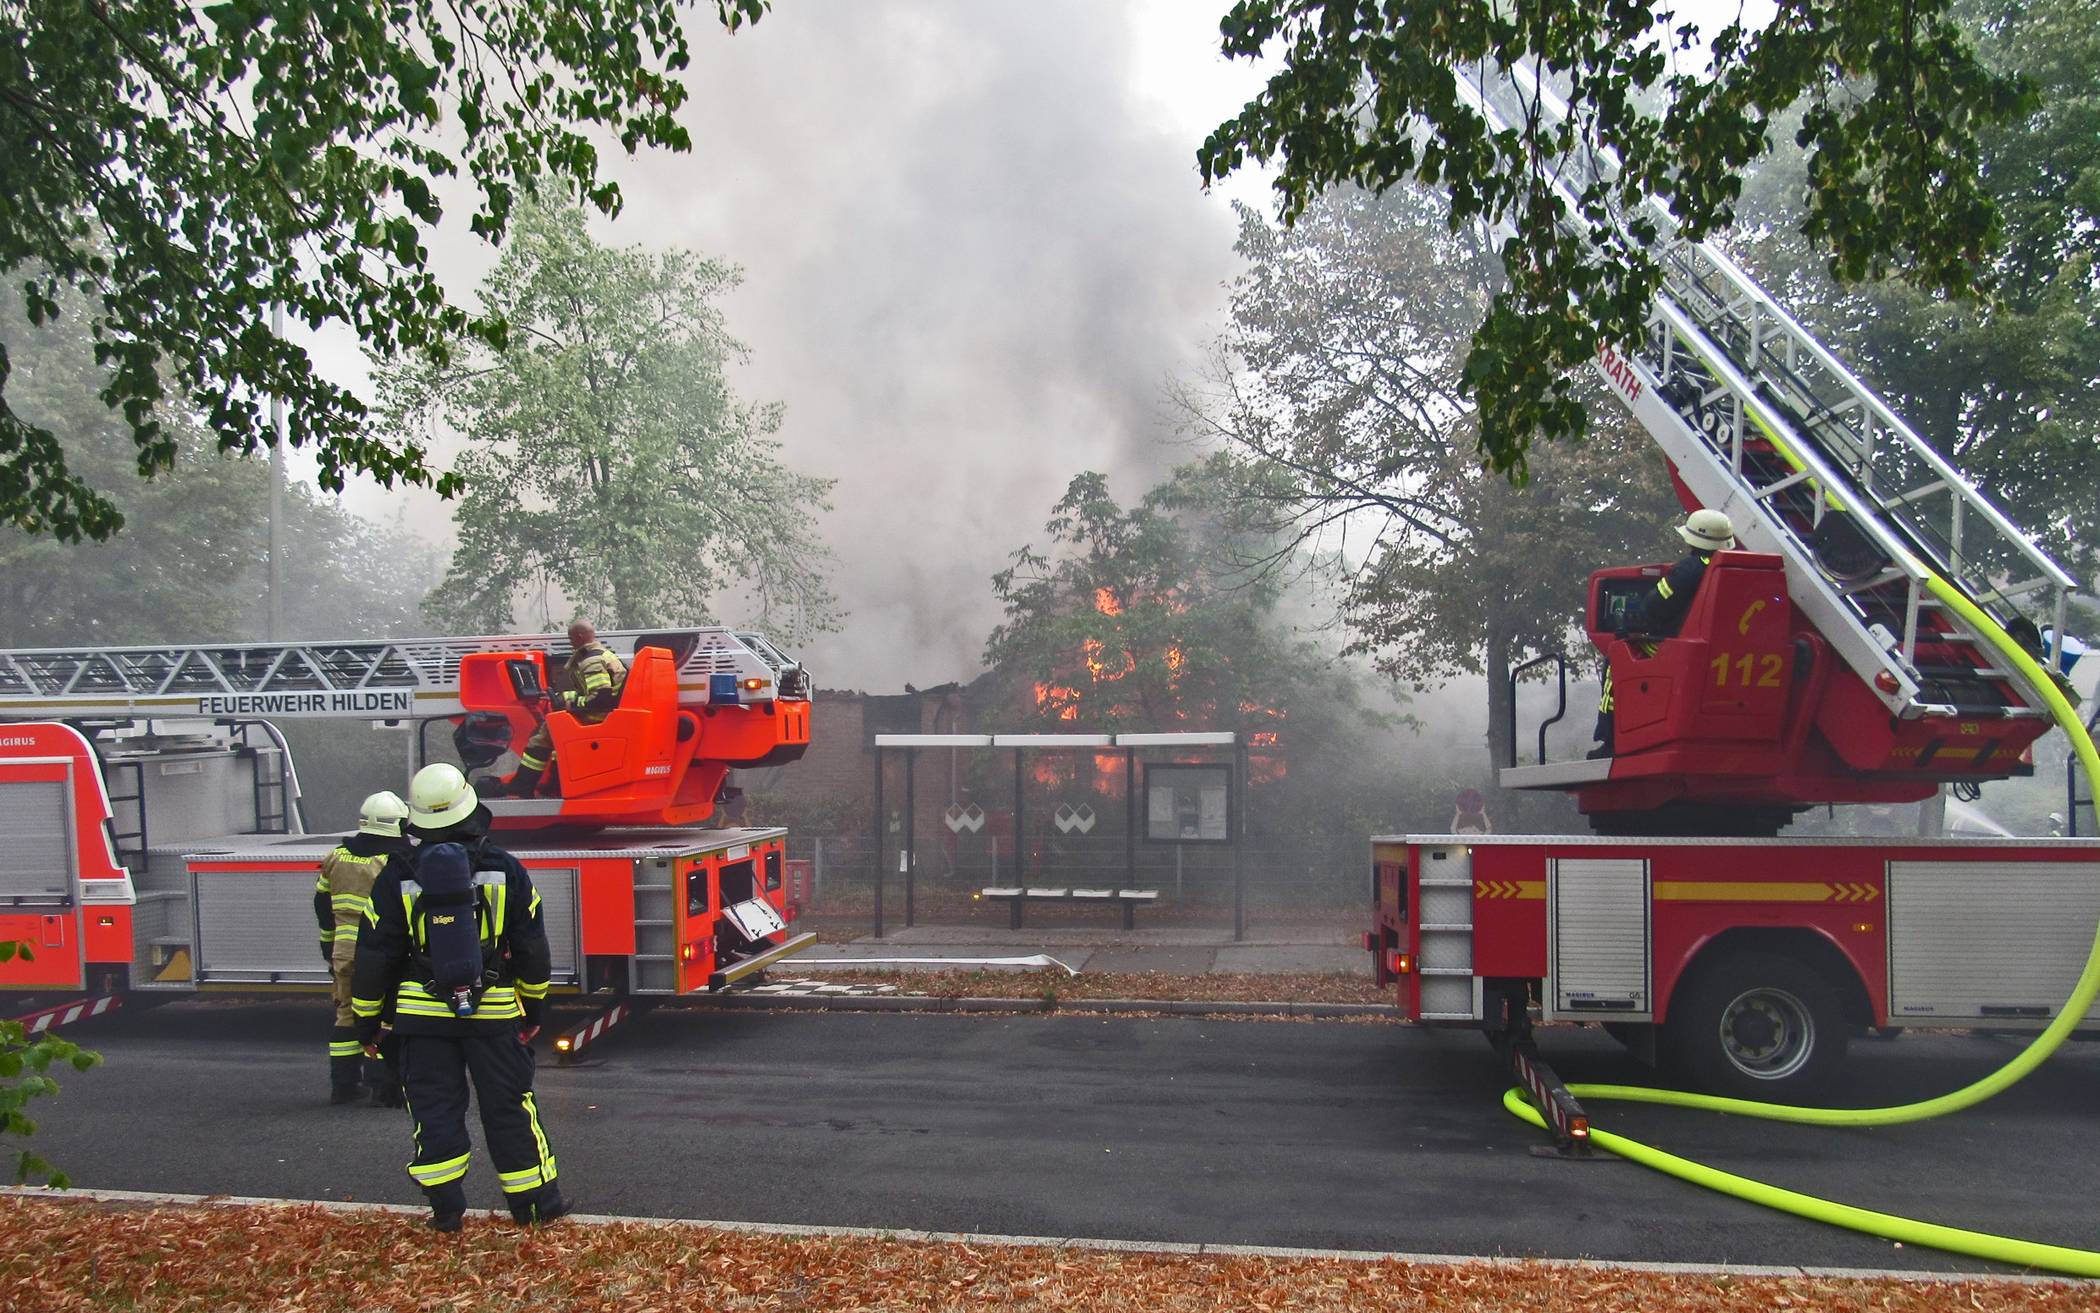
{"x":1757,"y":1026}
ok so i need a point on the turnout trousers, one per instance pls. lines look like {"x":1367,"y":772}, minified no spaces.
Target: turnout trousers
{"x":434,"y":1073}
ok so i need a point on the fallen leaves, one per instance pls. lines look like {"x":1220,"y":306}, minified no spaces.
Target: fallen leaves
{"x":80,"y":1256}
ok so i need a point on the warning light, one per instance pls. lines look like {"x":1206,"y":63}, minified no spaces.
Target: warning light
{"x":563,"y":1045}
{"x":1886,"y":681}
{"x":754,"y":683}
{"x":105,"y":920}
{"x":1863,"y":927}
{"x":688,"y":952}
{"x":1578,"y":1128}
{"x":1400,"y":964}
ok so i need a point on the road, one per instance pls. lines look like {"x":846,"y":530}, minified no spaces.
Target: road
{"x":1319,"y":1134}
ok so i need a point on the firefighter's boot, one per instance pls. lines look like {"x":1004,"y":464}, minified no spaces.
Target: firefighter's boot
{"x":551,"y":785}
{"x":1603,"y":736}
{"x":539,"y":1207}
{"x":343,"y":1083}
{"x":521,"y":785}
{"x":448,"y":1206}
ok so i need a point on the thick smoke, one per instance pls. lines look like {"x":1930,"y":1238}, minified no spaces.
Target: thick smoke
{"x":974,"y":249}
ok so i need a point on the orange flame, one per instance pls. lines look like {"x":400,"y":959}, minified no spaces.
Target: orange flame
{"x":1105,"y":602}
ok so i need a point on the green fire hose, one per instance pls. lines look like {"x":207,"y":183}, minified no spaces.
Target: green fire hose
{"x":1977,"y":1244}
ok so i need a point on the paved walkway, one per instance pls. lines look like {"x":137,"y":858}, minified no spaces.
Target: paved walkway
{"x":1179,"y":952}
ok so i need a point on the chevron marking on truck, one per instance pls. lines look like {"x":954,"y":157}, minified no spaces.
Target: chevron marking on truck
{"x":1530,"y":889}
{"x":1765,"y":891}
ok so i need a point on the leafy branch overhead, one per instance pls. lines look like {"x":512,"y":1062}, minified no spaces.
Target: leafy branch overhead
{"x":1894,"y":100}
{"x":23,"y":1064}
{"x":187,"y":167}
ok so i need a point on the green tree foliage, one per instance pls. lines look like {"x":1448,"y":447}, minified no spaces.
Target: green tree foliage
{"x":193,"y":565}
{"x":188,"y":166}
{"x":610,"y":463}
{"x":1339,"y":408}
{"x":1895,"y":99}
{"x":1139,"y":619}
{"x":2006,"y":389}
{"x":24,"y":1063}
{"x":1143,"y":619}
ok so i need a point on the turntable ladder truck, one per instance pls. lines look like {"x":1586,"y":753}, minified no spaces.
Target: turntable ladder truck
{"x":157,"y":844}
{"x":1859,"y":646}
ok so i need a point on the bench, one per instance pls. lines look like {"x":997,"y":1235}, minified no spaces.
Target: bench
{"x":1016,"y":897}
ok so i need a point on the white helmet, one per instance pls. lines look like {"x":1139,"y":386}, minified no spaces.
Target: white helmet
{"x":439,"y":796}
{"x":382,"y":814}
{"x":1708,"y":530}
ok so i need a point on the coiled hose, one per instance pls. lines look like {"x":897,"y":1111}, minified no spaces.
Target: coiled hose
{"x":1976,"y":1244}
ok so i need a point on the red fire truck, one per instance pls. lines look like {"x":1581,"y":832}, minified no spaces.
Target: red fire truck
{"x":1882,"y":632}
{"x":156,"y":841}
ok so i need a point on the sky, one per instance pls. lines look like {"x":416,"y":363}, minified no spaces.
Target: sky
{"x":975,"y":250}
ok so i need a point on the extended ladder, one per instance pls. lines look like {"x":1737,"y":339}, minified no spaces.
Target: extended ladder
{"x":411,"y":678}
{"x":1763,"y":422}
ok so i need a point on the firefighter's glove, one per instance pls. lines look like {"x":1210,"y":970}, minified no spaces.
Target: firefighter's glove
{"x":527,"y":1035}
{"x":368,"y":1029}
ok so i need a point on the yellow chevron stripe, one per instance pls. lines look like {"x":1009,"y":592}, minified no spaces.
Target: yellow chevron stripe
{"x":1517,"y":889}
{"x":1765,"y":891}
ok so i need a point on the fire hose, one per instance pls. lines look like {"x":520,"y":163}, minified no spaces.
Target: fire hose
{"x":1976,"y":1244}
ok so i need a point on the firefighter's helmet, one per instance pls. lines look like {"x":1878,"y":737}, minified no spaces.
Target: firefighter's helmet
{"x":1709,"y":531}
{"x":439,"y":797}
{"x":383,"y":814}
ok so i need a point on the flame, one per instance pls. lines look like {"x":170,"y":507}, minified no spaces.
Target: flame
{"x":1105,"y":602}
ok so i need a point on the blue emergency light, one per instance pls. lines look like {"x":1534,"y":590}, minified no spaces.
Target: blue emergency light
{"x":722,"y":688}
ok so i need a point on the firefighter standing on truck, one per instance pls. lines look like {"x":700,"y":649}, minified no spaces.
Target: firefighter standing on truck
{"x":1660,"y":611}
{"x":459,"y":948}
{"x":342,"y":897}
{"x":591,"y":688}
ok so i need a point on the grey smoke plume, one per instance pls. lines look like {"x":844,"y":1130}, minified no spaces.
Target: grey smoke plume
{"x":974,"y":249}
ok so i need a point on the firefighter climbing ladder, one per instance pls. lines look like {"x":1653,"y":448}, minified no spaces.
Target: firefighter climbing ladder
{"x":1763,"y":422}
{"x":408,"y":678}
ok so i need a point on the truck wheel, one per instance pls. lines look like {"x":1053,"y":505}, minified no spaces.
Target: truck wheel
{"x":1758,"y":1026}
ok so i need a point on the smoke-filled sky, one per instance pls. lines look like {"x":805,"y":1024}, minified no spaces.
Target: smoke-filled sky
{"x":974,"y":250}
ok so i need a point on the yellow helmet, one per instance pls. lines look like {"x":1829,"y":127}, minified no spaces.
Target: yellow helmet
{"x":439,"y":796}
{"x":1709,"y":531}
{"x":383,"y":814}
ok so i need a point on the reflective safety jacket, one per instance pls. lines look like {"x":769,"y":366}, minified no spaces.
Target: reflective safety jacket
{"x":392,"y":965}
{"x":1659,"y":612}
{"x":595,"y":678}
{"x":343,"y":893}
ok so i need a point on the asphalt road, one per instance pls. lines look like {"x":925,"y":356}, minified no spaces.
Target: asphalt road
{"x":1353,"y":1136}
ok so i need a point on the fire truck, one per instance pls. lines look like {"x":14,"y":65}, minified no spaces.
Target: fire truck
{"x":1881,"y":632}
{"x":155,"y":835}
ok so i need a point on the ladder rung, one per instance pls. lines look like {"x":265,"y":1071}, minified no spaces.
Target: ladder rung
{"x":1917,"y":494}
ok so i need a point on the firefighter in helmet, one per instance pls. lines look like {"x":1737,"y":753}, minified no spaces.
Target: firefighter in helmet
{"x":342,"y":896}
{"x":1660,"y":611}
{"x":590,"y":687}
{"x":457,"y":946}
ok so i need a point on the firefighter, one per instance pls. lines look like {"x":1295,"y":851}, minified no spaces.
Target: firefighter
{"x":342,"y":896}
{"x":457,"y":945}
{"x":590,"y":688}
{"x":1660,"y":611}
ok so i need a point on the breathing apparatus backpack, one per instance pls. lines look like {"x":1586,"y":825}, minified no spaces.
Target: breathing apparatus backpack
{"x":455,"y":960}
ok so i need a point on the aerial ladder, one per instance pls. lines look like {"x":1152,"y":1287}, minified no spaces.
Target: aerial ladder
{"x":1848,"y":651}
{"x":156,"y":839}
{"x":697,"y":703}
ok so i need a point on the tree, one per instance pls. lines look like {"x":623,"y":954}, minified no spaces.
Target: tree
{"x":610,"y":462}
{"x":1140,"y":619}
{"x":192,"y":565}
{"x":188,"y":166}
{"x":2004,"y":389}
{"x":1338,"y":404}
{"x":23,"y":1064}
{"x":1895,"y":102}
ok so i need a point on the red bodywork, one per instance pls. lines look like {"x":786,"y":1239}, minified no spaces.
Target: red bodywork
{"x":1698,"y":891}
{"x":651,"y":761}
{"x":1748,"y":704}
{"x":91,"y":921}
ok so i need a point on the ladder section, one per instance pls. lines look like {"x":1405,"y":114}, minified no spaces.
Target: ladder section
{"x":1760,"y":420}
{"x":408,"y":678}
